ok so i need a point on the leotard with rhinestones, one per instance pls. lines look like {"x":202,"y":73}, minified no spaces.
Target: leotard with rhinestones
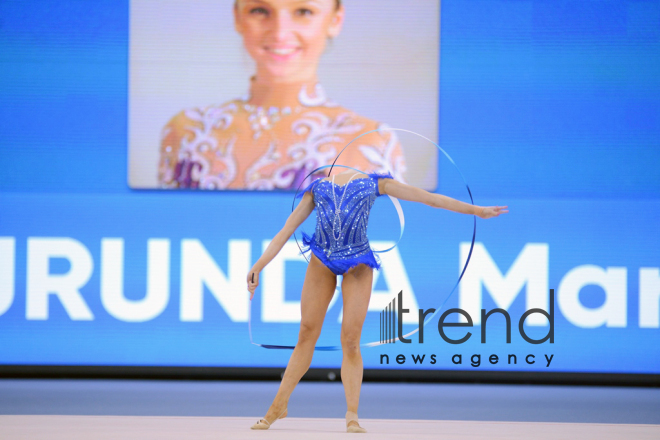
{"x":346,"y":246}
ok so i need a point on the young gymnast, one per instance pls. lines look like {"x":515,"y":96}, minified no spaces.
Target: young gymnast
{"x":340,"y":246}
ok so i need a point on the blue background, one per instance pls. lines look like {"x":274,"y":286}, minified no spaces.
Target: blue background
{"x":549,"y":107}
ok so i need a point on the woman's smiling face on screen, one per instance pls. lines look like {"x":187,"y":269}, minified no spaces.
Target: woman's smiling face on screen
{"x":287,"y":37}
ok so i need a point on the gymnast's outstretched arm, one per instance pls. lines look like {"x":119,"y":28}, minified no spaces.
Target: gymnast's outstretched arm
{"x":302,"y":211}
{"x":403,"y":191}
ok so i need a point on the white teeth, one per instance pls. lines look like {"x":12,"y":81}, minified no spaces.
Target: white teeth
{"x":282,"y":51}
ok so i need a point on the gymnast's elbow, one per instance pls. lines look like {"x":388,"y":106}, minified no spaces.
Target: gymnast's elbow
{"x":297,"y":217}
{"x":292,"y":223}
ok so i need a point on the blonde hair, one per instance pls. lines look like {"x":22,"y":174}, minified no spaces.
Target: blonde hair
{"x":337,"y":4}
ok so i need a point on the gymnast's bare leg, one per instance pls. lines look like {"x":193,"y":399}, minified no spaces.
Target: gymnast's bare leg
{"x":356,"y":292}
{"x":318,"y":289}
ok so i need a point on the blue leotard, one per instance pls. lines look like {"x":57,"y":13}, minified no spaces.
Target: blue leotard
{"x":352,"y":247}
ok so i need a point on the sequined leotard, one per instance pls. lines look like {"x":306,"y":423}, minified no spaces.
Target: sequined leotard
{"x":343,"y":247}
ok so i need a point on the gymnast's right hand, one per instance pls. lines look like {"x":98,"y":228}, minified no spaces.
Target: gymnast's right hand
{"x":253,"y":282}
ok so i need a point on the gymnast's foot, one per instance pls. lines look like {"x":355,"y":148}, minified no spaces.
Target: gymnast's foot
{"x":265,"y":423}
{"x":352,"y":424}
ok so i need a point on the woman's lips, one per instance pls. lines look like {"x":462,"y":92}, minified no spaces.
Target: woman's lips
{"x":282,"y":53}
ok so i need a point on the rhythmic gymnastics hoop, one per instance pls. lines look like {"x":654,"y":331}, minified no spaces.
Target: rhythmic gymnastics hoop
{"x":397,"y":205}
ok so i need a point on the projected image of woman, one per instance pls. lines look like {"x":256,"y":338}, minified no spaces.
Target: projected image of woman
{"x":286,"y":126}
{"x":340,"y":246}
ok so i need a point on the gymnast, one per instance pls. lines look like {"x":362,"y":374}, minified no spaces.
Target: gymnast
{"x":340,"y":246}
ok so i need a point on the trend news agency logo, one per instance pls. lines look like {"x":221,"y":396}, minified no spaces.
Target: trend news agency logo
{"x":391,"y":329}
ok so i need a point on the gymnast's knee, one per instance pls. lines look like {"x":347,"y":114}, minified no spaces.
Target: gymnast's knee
{"x":309,"y":332}
{"x":350,"y":342}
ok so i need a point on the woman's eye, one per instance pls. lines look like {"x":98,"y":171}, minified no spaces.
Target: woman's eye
{"x":258,"y":11}
{"x":304,"y":12}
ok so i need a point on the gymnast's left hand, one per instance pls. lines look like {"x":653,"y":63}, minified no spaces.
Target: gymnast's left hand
{"x":252,"y":285}
{"x":492,"y":211}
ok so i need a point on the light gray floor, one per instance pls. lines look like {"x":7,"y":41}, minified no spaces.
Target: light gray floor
{"x":528,"y":403}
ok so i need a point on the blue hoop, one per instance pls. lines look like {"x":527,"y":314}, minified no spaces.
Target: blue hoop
{"x":402,"y":222}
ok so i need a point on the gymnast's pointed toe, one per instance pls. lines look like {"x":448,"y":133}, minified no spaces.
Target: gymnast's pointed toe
{"x":265,"y":424}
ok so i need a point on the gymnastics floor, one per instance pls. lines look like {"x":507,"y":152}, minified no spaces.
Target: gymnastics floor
{"x":158,"y":409}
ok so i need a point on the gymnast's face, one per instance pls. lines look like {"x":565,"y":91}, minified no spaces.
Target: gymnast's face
{"x":287,"y":37}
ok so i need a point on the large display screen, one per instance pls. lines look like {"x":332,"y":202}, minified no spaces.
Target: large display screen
{"x":258,"y":95}
{"x":550,"y":108}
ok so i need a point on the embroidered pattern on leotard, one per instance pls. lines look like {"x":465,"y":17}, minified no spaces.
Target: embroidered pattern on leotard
{"x":215,"y":147}
{"x":352,"y":247}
